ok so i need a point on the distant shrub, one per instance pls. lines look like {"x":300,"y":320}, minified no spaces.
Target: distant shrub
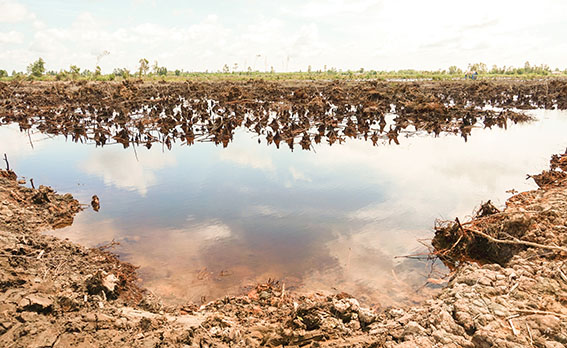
{"x":124,"y":73}
{"x":37,"y":68}
{"x":161,"y":71}
{"x":62,"y":75}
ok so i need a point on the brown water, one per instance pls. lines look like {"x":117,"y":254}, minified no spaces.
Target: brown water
{"x":203,"y":221}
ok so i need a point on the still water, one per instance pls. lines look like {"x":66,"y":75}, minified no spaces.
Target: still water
{"x":206,"y":221}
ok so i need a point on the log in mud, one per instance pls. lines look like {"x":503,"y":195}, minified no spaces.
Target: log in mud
{"x":58,"y":294}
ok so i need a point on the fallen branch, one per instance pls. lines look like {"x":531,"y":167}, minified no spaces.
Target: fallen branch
{"x":30,"y":139}
{"x":516,"y":241}
{"x":416,"y":256}
{"x":7,"y":163}
{"x":534,"y":311}
{"x":35,"y":257}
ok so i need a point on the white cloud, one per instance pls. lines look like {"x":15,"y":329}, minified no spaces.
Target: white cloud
{"x":11,"y":37}
{"x":152,"y":3}
{"x":264,"y":210}
{"x":249,"y":157}
{"x":82,"y":42}
{"x":173,"y":262}
{"x":121,"y":169}
{"x":450,"y":184}
{"x":214,"y":230}
{"x":12,"y":12}
{"x":298,"y":175}
{"x":434,"y":34}
{"x":332,"y":8}
{"x":374,"y":34}
{"x":83,"y":231}
{"x":16,"y":144}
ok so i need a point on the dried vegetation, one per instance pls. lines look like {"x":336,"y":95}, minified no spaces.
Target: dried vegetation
{"x":293,"y":112}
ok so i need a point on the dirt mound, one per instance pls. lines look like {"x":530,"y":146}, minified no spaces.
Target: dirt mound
{"x":531,"y":220}
{"x":27,"y":208}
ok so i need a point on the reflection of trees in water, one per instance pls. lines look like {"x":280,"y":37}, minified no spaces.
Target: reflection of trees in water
{"x":296,"y":113}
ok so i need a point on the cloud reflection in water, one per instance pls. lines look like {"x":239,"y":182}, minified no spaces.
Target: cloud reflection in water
{"x":329,"y":220}
{"x":123,"y":169}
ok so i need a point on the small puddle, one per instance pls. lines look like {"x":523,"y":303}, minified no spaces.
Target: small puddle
{"x":206,"y":221}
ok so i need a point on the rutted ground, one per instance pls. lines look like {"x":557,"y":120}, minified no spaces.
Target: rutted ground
{"x":58,"y":294}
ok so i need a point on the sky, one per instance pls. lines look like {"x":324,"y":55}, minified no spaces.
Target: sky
{"x":288,"y":35}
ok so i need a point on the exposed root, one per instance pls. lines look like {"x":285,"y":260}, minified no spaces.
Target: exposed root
{"x":516,"y":241}
{"x":496,"y":236}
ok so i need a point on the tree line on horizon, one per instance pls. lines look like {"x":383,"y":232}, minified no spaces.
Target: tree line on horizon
{"x":37,"y":70}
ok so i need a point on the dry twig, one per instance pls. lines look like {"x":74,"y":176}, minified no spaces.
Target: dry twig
{"x":514,"y":330}
{"x":7,"y":163}
{"x":534,"y":311}
{"x":530,"y":334}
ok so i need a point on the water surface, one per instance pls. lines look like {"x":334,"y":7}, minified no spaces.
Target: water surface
{"x":206,"y":221}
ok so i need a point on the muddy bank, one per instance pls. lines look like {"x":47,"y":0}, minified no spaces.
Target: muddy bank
{"x":57,"y":294}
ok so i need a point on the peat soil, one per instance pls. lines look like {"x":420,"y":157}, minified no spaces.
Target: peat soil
{"x":297,"y":113}
{"x":508,"y":287}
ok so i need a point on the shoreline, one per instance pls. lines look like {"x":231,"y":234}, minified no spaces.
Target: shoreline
{"x":57,"y":293}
